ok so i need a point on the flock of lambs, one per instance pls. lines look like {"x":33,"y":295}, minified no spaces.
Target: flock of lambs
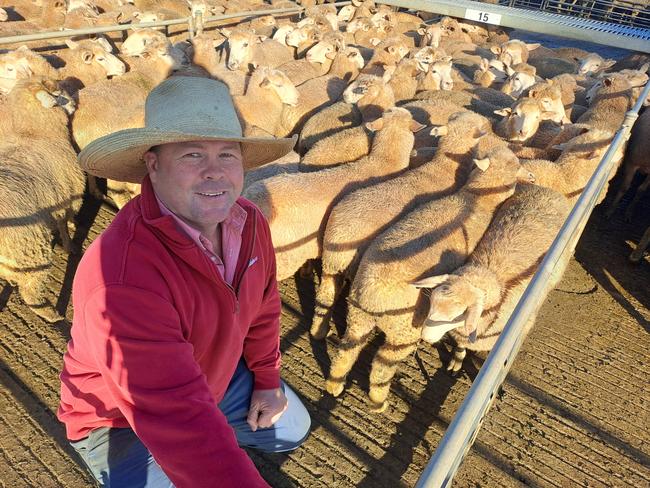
{"x":436,"y":161}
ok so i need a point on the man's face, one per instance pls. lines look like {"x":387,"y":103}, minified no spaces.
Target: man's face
{"x":198,"y":181}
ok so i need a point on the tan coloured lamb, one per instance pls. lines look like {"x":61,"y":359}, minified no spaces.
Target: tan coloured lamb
{"x":298,"y":205}
{"x":435,"y":238}
{"x":474,"y":302}
{"x":42,"y":188}
{"x":364,"y":214}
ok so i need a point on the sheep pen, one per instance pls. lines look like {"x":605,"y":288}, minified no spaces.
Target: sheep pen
{"x":564,"y":415}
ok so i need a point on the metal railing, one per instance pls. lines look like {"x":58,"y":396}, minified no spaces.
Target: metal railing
{"x":540,"y":21}
{"x":464,"y":427}
{"x":192,"y":22}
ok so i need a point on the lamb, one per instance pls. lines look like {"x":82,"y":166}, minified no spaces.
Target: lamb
{"x":439,"y":76}
{"x":246,"y":50}
{"x":267,"y":93}
{"x":577,"y":162}
{"x":550,"y":67}
{"x":636,"y":160}
{"x":314,"y":95}
{"x":490,"y":72}
{"x":514,"y":51}
{"x":203,"y":54}
{"x":363,"y":100}
{"x":87,"y":61}
{"x":386,"y":55}
{"x":41,"y":188}
{"x":22,"y":63}
{"x":594,"y":64}
{"x":317,"y":62}
{"x":522,"y":121}
{"x":520,"y":78}
{"x":136,"y":42}
{"x":298,"y":205}
{"x":364,"y":214}
{"x":475,"y":301}
{"x":553,"y":96}
{"x":613,"y":99}
{"x":435,"y":238}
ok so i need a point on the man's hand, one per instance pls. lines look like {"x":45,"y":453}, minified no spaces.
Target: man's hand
{"x":267,"y":406}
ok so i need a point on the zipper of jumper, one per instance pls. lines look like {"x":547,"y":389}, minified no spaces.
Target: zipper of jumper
{"x":235,"y":293}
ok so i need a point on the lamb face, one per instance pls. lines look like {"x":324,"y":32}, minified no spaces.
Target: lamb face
{"x":441,"y":73}
{"x":517,"y":83}
{"x":523,"y":119}
{"x":593,"y":64}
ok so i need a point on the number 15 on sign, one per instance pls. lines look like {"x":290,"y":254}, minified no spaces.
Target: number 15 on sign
{"x":485,"y":17}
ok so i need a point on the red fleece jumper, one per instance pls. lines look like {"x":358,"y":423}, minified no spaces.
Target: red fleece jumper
{"x":157,"y":334}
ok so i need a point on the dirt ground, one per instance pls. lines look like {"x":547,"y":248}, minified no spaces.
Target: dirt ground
{"x":573,"y":411}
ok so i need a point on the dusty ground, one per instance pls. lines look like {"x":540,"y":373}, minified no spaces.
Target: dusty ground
{"x":573,"y":412}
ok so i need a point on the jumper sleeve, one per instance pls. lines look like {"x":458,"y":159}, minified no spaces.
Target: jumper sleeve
{"x":262,"y":344}
{"x":154,"y":379}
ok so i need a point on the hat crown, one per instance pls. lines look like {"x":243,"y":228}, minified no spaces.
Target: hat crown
{"x":192,"y":105}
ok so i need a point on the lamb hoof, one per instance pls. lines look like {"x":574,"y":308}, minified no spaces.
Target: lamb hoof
{"x":48,"y":313}
{"x":334,"y":387}
{"x":635,"y":257}
{"x":319,"y":331}
{"x":454,"y":365}
{"x":378,"y":407}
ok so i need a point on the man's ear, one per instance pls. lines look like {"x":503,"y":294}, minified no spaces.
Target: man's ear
{"x":150,"y":159}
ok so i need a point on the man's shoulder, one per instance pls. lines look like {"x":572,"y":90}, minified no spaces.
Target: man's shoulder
{"x":125,"y":239}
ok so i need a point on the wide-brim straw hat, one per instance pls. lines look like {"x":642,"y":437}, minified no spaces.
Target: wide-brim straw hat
{"x":180,"y":109}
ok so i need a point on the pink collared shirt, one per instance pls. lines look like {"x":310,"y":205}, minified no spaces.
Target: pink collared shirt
{"x":231,"y":237}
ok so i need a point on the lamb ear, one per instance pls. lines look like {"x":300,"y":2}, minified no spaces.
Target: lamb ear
{"x":415,"y":126}
{"x":496,"y":49}
{"x":482,"y":164}
{"x":71,"y":44}
{"x":374,"y":41}
{"x":104,"y":43}
{"x":375,"y":125}
{"x":608,"y":63}
{"x":474,"y":313}
{"x":430,"y":282}
{"x":533,"y":46}
{"x":485,"y":64}
{"x":504,"y":111}
{"x":47,"y":100}
{"x":439,"y":131}
{"x":509,"y":70}
{"x":560,"y":147}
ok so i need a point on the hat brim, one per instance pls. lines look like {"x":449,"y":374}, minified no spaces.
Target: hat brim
{"x":118,"y":156}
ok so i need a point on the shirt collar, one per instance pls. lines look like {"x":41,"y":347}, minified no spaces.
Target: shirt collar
{"x":234,"y":220}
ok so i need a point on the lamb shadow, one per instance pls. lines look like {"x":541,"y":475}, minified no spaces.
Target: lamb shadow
{"x":608,"y":264}
{"x":37,"y":411}
{"x":85,"y":218}
{"x":422,"y":411}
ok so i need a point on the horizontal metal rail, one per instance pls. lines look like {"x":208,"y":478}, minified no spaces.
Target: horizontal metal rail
{"x":609,"y":34}
{"x":464,"y":427}
{"x":38,"y":36}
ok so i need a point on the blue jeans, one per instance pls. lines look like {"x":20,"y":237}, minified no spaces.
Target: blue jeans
{"x":117,"y":458}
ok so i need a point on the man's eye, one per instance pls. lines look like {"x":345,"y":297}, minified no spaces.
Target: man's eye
{"x":227,"y":155}
{"x":192,"y":155}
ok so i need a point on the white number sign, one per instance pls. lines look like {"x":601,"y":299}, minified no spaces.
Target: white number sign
{"x":485,"y":17}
